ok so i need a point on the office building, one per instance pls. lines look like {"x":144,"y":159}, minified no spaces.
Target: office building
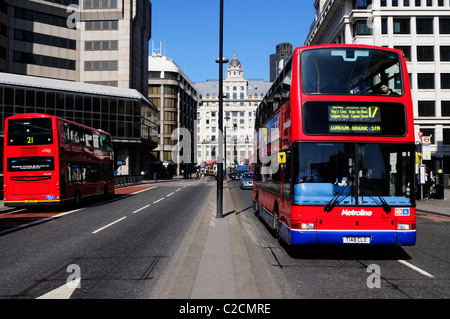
{"x":175,"y":96}
{"x":421,"y":28}
{"x":91,"y":41}
{"x":85,"y":61}
{"x":277,"y":60}
{"x":241,"y":98}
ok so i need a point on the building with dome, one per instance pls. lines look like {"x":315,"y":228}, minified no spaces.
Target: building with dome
{"x":241,"y":98}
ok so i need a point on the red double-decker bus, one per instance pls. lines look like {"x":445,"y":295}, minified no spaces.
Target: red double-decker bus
{"x":49,"y":160}
{"x":334,"y":148}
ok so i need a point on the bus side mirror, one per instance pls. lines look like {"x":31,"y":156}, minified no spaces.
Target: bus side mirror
{"x":281,"y":157}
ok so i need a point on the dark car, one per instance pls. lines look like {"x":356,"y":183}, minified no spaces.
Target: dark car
{"x":247,"y":181}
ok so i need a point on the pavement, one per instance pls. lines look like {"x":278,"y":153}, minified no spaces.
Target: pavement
{"x":435,"y":206}
{"x":217,"y":265}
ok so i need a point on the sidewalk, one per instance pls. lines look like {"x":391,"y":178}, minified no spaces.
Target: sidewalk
{"x":435,"y":206}
{"x":217,"y":265}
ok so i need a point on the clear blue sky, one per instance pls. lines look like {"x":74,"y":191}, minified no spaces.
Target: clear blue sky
{"x":189,"y":31}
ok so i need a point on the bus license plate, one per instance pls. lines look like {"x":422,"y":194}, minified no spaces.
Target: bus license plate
{"x":357,"y":240}
{"x":29,"y":201}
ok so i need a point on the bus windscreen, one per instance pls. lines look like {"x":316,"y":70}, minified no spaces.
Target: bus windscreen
{"x":37,"y":131}
{"x":351,"y":71}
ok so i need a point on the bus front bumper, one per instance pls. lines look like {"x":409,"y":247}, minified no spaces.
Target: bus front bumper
{"x":371,"y":237}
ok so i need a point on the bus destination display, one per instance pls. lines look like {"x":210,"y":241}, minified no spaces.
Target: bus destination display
{"x":354,"y":119}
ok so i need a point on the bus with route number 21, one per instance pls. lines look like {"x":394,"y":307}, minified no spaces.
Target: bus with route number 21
{"x":334,"y":148}
{"x":51,"y":161}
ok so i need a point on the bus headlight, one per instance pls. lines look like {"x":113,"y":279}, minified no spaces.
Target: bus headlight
{"x":403,"y":227}
{"x":307,"y":225}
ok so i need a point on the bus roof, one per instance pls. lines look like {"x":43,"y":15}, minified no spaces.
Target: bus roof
{"x":41,"y":115}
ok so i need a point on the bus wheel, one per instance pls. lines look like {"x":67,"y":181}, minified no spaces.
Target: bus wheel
{"x":276,"y":227}
{"x":257,"y":206}
{"x":77,"y":199}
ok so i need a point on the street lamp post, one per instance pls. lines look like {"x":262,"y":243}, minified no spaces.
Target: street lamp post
{"x":220,"y":60}
{"x":225,"y":146}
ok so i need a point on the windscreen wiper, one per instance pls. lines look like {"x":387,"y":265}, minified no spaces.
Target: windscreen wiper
{"x":329,"y":207}
{"x":384,"y":204}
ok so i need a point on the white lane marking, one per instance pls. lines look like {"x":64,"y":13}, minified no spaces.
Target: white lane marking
{"x":156,"y":201}
{"x":100,"y":229}
{"x":144,"y":190}
{"x":168,"y":195}
{"x":179,"y":189}
{"x":423,"y":272}
{"x":63,"y":292}
{"x":138,"y":210}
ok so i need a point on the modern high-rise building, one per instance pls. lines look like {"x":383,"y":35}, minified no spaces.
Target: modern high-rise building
{"x":421,"y":28}
{"x":283,"y":52}
{"x":241,"y":98}
{"x":171,"y":90}
{"x":91,"y":41}
{"x":55,"y":53}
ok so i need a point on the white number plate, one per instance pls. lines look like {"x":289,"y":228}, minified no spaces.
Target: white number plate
{"x":356,"y":240}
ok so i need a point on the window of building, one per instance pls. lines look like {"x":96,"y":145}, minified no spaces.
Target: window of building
{"x":362,"y":28}
{"x":100,"y":4}
{"x":384,"y":26}
{"x":425,"y":53}
{"x":101,"y":25}
{"x":425,"y":80}
{"x":30,"y":58}
{"x":445,"y":53}
{"x":401,"y":26}
{"x":154,"y":89}
{"x":446,"y":136}
{"x":424,"y":25}
{"x":100,"y":45}
{"x":154,"y":74}
{"x":100,"y":65}
{"x":444,"y":25}
{"x":445,"y":80}
{"x":427,"y":108}
{"x":445,"y":108}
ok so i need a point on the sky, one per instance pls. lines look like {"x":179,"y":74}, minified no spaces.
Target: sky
{"x":187,"y":31}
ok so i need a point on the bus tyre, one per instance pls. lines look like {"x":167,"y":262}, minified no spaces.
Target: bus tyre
{"x":105,"y":193}
{"x":77,"y":199}
{"x":256,"y":206}
{"x":276,"y":227}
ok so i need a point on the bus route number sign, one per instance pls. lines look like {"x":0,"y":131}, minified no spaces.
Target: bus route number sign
{"x":354,"y":119}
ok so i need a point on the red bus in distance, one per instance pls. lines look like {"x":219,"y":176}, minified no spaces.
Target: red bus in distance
{"x":52,"y":161}
{"x":334,"y":148}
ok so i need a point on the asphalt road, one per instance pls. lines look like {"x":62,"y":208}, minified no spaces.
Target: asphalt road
{"x":132,"y":247}
{"x":410,"y":272}
{"x":124,"y":248}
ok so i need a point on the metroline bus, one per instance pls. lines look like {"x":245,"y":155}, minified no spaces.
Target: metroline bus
{"x":334,"y":152}
{"x":51,"y":161}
